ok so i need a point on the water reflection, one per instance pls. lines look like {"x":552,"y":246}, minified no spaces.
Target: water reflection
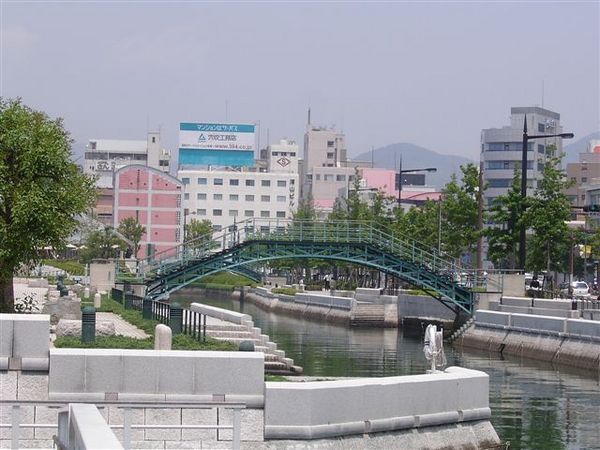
{"x":534,"y":405}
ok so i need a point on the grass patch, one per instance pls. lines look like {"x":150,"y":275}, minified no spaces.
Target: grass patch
{"x":130,"y":315}
{"x":69,"y":266}
{"x":269,"y":377}
{"x":180,"y":342}
{"x":225,"y":279}
{"x":284,"y":290}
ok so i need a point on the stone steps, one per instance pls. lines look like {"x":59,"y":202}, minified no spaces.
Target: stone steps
{"x":367,"y":315}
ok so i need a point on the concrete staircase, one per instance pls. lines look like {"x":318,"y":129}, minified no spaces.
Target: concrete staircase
{"x":458,"y":333}
{"x":367,"y":315}
{"x":275,"y":361}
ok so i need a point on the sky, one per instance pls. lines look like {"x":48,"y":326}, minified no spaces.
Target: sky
{"x":428,"y":73}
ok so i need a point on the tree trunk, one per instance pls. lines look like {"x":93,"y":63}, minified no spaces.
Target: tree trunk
{"x":7,"y":299}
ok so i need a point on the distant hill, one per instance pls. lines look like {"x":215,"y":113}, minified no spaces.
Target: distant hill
{"x":573,"y":150}
{"x":416,"y":157}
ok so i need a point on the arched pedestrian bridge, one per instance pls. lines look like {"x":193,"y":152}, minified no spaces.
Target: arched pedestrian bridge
{"x":255,"y":241}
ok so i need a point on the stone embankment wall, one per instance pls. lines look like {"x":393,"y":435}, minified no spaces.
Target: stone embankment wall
{"x":575,"y":342}
{"x":437,"y":408}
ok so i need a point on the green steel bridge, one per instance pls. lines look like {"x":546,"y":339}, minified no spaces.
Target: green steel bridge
{"x":255,"y":241}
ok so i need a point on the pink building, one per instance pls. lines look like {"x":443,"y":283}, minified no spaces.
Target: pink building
{"x":153,"y":198}
{"x":385,"y":181}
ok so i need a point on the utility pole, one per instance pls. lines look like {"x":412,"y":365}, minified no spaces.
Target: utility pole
{"x":480,"y":220}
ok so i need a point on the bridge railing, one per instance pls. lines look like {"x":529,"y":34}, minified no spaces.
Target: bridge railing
{"x":273,"y":230}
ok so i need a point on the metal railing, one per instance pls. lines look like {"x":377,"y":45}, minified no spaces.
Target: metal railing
{"x":161,"y":311}
{"x":194,"y":324}
{"x":16,"y":425}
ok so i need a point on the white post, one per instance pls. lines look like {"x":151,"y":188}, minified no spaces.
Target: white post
{"x":163,"y":337}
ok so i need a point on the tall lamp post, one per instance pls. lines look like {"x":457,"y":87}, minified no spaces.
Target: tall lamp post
{"x":526,"y":137}
{"x":401,"y":171}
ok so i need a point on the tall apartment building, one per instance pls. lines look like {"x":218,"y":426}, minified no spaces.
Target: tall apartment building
{"x":501,"y":149}
{"x":584,"y":173}
{"x":153,"y":198}
{"x":103,"y":157}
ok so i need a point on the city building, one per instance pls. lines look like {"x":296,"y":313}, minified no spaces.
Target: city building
{"x":501,"y":149}
{"x":583,"y":172}
{"x":153,"y":198}
{"x":227,"y":195}
{"x":282,"y":157}
{"x":323,"y":147}
{"x":104,"y":156}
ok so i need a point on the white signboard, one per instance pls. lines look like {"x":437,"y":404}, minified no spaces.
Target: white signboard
{"x":216,"y":136}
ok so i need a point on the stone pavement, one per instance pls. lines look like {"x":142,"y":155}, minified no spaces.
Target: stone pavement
{"x":122,"y":327}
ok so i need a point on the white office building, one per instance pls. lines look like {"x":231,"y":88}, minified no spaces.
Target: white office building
{"x":501,"y":149}
{"x":225,"y":196}
{"x":104,"y":156}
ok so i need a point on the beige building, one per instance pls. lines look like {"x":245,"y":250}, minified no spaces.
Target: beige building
{"x":582,"y":173}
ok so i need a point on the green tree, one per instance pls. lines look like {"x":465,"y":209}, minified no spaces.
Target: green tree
{"x":41,"y":189}
{"x":504,"y":232}
{"x":358,"y":209}
{"x":102,"y":244}
{"x":547,"y":214}
{"x":306,"y":209}
{"x":131,"y":229}
{"x":199,"y":232}
{"x":460,"y":212}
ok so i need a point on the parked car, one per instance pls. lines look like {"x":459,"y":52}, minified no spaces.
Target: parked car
{"x":580,"y":289}
{"x":565,"y":290}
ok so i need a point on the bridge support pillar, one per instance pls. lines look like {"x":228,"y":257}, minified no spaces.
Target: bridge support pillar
{"x":176,"y":318}
{"x":147,"y":308}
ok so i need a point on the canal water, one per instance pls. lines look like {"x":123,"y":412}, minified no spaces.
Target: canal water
{"x":534,"y":405}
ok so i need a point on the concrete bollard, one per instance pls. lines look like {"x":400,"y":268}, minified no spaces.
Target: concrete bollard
{"x":86,"y":293}
{"x":97,"y":300}
{"x":163,"y":337}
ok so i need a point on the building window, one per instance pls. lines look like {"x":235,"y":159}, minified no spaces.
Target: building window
{"x":249,"y":213}
{"x":233,"y":213}
{"x":217,"y":196}
{"x":265,"y":214}
{"x":584,"y":179}
{"x":541,"y":148}
{"x":318,"y":177}
{"x":186,"y":196}
{"x":249,"y":198}
{"x":201,"y":196}
{"x":541,"y":128}
{"x":540,"y":166}
{"x":201,"y":212}
{"x":265,"y":198}
{"x":328,"y":177}
{"x":185,"y":180}
{"x":330,"y":155}
{"x":281,"y":214}
{"x":499,"y":182}
{"x":330,"y":143}
{"x":202,"y":180}
{"x":249,"y":182}
{"x":281,"y":183}
{"x":234,"y":182}
{"x":265,"y":183}
{"x":217,"y":212}
{"x":340,"y":178}
{"x":281,"y":198}
{"x":217,"y":227}
{"x":233,"y":197}
{"x":218,"y":182}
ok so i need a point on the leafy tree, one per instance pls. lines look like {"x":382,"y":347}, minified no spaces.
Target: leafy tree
{"x":460,"y":212}
{"x":198,"y":231}
{"x":102,"y":244}
{"x":132,"y":230}
{"x":420,"y":223}
{"x":547,"y":215}
{"x":41,"y":189}
{"x":504,"y":232}
{"x":358,"y":209}
{"x":306,"y":209}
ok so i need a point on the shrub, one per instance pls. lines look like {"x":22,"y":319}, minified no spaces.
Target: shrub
{"x":284,"y":290}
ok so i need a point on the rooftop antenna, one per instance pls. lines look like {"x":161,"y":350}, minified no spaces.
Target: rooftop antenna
{"x":308,"y":116}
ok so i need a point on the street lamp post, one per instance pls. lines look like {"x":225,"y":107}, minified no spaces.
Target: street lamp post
{"x":526,"y":138}
{"x":400,"y":172}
